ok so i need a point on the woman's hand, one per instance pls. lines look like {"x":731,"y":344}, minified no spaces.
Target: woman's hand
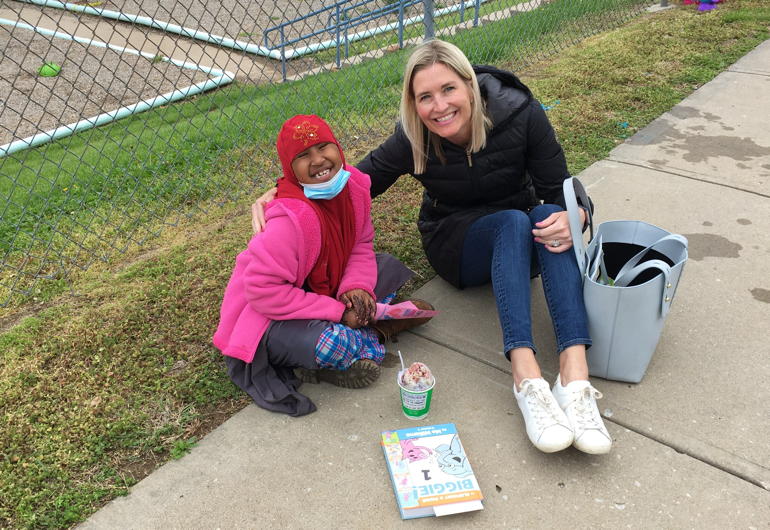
{"x":554,"y":231}
{"x":361,"y":304}
{"x":258,"y":210}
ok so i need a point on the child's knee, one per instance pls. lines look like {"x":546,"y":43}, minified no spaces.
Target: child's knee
{"x":340,"y":346}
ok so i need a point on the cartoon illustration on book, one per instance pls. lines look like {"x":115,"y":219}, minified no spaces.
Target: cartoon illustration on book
{"x":412,"y":452}
{"x":452,"y":460}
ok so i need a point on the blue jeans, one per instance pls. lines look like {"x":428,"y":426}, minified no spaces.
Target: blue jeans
{"x":498,"y":247}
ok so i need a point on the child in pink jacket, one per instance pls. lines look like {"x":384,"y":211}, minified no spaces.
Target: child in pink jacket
{"x":302,"y":295}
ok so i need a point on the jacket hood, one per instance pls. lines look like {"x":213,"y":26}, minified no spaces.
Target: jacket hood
{"x":504,"y":93}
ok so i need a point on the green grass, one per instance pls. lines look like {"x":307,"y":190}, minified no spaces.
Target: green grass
{"x":99,"y":387}
{"x":116,"y":379}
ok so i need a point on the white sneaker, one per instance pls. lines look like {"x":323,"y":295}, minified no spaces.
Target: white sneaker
{"x":578,"y":400}
{"x":547,"y":426}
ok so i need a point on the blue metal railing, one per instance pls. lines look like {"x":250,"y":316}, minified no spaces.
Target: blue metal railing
{"x":343,"y":17}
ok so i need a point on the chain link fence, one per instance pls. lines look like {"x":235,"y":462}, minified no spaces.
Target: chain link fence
{"x":119,"y":117}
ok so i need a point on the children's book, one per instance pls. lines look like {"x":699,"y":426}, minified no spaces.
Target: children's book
{"x":430,"y":472}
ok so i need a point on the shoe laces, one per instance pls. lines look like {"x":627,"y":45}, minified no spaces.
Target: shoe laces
{"x":586,"y":412}
{"x":542,"y":407}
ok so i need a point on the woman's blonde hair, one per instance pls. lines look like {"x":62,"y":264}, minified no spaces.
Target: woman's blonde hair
{"x":424,"y":56}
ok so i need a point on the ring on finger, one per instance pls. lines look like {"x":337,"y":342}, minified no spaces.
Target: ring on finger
{"x":555,"y":243}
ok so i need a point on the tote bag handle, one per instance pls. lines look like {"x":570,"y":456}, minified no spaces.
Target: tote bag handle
{"x":633,"y":268}
{"x":572,"y":187}
{"x":675,"y":242}
{"x":665,"y":297}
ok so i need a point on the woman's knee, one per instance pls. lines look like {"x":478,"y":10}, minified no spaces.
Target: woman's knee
{"x":512,"y":222}
{"x":541,"y":211}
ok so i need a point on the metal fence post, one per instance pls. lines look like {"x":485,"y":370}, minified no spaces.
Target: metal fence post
{"x":430,"y":31}
{"x":283,"y":55}
{"x":337,"y":34}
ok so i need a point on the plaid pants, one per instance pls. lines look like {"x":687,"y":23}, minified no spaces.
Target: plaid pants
{"x":339,"y":346}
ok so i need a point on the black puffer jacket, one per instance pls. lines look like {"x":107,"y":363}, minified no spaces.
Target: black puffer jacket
{"x":521,"y":165}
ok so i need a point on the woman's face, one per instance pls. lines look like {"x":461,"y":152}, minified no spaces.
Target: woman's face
{"x":442,"y":100}
{"x":317,"y":163}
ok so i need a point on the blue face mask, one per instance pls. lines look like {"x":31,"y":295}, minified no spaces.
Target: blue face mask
{"x":329,"y":189}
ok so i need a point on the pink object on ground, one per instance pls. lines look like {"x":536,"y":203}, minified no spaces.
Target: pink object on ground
{"x":400,"y":311}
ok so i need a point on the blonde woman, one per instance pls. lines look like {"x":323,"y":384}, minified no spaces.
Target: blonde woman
{"x":493,"y":211}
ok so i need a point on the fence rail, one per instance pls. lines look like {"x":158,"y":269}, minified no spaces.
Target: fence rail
{"x":119,"y":117}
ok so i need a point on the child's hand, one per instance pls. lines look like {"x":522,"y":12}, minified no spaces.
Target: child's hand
{"x":361,"y":303}
{"x":350,"y":319}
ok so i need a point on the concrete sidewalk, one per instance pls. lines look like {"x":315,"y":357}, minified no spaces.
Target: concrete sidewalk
{"x":691,"y":440}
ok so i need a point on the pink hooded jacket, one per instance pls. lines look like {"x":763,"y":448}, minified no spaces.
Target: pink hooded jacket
{"x":267,"y":280}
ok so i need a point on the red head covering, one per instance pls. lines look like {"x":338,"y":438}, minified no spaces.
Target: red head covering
{"x":335,"y":215}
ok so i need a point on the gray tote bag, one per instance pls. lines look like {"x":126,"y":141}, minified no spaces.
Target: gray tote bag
{"x":630,"y":272}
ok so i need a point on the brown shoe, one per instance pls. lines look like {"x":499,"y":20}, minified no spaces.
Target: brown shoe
{"x":389,"y":329}
{"x":360,"y":374}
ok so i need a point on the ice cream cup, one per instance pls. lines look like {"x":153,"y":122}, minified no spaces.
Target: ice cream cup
{"x":415,"y":403}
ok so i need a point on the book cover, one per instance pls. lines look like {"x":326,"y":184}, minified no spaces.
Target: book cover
{"x":430,"y":471}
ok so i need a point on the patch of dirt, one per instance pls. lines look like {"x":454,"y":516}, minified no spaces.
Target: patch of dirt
{"x":10,"y":320}
{"x":211,"y":417}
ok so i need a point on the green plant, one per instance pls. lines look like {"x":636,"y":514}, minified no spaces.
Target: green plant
{"x":182,"y":447}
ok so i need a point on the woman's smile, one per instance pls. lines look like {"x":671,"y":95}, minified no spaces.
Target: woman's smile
{"x":443,"y":102}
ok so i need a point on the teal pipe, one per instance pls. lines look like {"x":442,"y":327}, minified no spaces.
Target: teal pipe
{"x":220,"y":78}
{"x":165,"y":26}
